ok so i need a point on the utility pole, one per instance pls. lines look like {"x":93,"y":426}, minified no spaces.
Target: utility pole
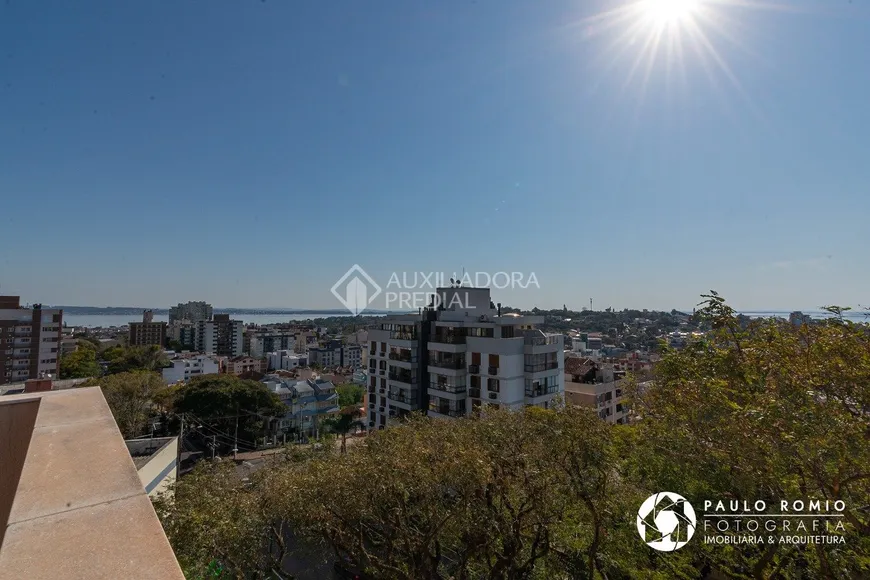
{"x":213,"y":445}
{"x":236,"y":437}
{"x":180,"y":444}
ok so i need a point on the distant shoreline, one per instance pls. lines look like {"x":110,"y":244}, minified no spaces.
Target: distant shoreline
{"x":129,"y":311}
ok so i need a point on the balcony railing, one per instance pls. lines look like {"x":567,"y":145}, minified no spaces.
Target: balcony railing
{"x":403,"y":335}
{"x":448,"y":339}
{"x":541,"y":391}
{"x":448,"y":411}
{"x":402,"y":398}
{"x":447,"y":364}
{"x":408,"y":379}
{"x":402,"y":357}
{"x":474,"y":393}
{"x":548,"y":366}
{"x":455,"y":389}
{"x":543,"y":340}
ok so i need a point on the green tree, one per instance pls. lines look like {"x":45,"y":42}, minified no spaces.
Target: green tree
{"x":131,"y":398}
{"x":344,"y":422}
{"x":131,"y":358}
{"x":212,"y":519}
{"x":349,"y":395}
{"x":765,"y":411}
{"x":79,"y":364}
{"x":222,"y":401}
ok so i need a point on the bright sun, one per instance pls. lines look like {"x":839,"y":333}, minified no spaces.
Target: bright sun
{"x":664,"y":12}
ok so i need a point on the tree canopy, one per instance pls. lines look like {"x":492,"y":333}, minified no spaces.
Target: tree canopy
{"x":762,"y":410}
{"x":130,"y":397}
{"x":221,"y":400}
{"x":350,"y":394}
{"x":123,"y":359}
{"x":80,"y":364}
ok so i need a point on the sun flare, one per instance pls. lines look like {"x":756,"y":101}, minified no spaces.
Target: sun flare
{"x":665,"y":12}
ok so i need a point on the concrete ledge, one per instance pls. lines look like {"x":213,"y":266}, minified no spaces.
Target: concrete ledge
{"x":80,"y":510}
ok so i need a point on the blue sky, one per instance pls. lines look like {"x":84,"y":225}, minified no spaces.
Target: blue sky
{"x":248,"y":153}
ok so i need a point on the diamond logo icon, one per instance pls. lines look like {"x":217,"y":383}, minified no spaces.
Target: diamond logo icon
{"x":356,"y":289}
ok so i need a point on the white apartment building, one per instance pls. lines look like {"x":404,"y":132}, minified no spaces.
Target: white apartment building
{"x":455,"y":360}
{"x":266,"y":341}
{"x":286,"y":360}
{"x":220,"y":336}
{"x":185,"y":368}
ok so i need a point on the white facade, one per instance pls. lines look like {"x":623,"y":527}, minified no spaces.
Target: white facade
{"x":186,"y":368}
{"x":455,"y":360}
{"x":286,"y":360}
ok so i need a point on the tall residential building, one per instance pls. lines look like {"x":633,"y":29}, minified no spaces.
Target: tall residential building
{"x":182,"y":332}
{"x":452,"y":361}
{"x":191,"y":311}
{"x":147,"y":332}
{"x":267,"y":340}
{"x":29,"y":341}
{"x":220,"y":336}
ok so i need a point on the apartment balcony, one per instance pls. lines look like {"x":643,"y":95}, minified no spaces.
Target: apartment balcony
{"x":446,"y":412}
{"x":403,"y":379}
{"x":24,"y":355}
{"x":542,"y":344}
{"x":23,"y":331}
{"x":447,"y":391}
{"x":402,"y":400}
{"x":542,"y":367}
{"x":447,"y":343}
{"x":451,"y":364}
{"x":21,"y":342}
{"x":539,"y":395}
{"x":408,"y":361}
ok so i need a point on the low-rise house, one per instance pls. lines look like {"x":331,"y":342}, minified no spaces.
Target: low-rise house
{"x":243,"y":366}
{"x":285,"y":360}
{"x":308,"y":401}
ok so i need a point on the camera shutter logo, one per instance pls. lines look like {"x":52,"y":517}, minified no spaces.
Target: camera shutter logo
{"x":666,"y":521}
{"x":356,"y":289}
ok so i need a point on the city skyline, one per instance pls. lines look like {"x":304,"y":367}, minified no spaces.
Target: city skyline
{"x":161,"y":152}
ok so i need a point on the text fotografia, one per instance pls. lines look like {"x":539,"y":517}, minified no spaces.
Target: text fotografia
{"x":785,"y":522}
